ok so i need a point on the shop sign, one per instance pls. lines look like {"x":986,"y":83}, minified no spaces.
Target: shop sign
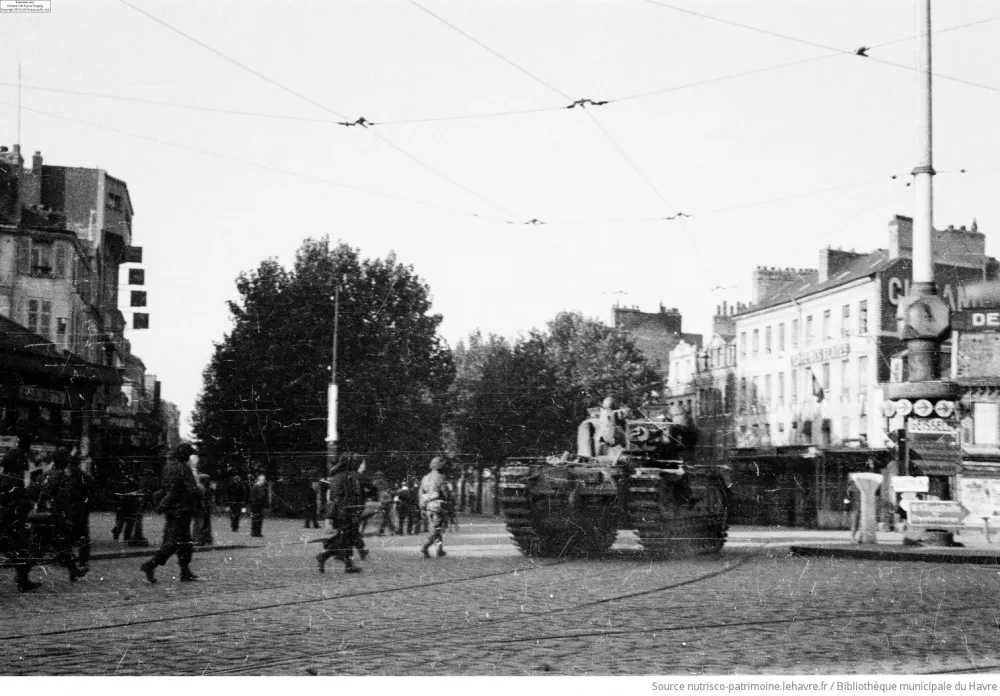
{"x":910,"y":484}
{"x":821,"y":354}
{"x":981,"y":496}
{"x":36,"y":394}
{"x":976,"y":320}
{"x":936,"y":513}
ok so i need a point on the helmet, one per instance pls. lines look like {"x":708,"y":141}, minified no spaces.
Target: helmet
{"x":438,"y":463}
{"x":184,"y":451}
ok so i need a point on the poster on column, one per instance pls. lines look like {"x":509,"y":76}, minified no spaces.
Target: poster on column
{"x":981,"y":497}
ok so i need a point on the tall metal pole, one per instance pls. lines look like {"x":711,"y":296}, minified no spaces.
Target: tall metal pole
{"x":923,"y":173}
{"x":331,"y":422}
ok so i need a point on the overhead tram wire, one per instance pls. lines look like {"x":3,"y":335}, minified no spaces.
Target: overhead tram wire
{"x":583,"y":103}
{"x":258,"y":165}
{"x":863,"y":51}
{"x":322,"y":106}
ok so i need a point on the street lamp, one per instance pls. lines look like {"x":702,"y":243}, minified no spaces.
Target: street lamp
{"x":331,"y":420}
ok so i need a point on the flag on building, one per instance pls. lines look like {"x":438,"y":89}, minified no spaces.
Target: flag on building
{"x":817,"y":387}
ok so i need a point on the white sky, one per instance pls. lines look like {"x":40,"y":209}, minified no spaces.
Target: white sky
{"x":216,"y":193}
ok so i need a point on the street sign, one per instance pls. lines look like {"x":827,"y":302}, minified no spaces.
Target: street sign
{"x":936,"y":513}
{"x":910,"y":484}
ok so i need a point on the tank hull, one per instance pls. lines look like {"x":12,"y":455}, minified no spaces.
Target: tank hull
{"x":576,"y":506}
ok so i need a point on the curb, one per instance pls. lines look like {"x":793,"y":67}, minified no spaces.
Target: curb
{"x":900,"y":553}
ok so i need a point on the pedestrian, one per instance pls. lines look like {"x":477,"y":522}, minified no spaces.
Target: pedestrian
{"x":385,"y":509}
{"x":436,"y":500}
{"x":258,"y":503}
{"x":126,"y":508}
{"x":369,"y":493}
{"x":236,"y":500}
{"x":403,"y":509}
{"x":853,"y":503}
{"x":203,"y":525}
{"x":312,"y":506}
{"x":62,"y":493}
{"x":346,"y":505}
{"x":83,"y":493}
{"x":14,"y":508}
{"x":417,"y":517}
{"x":179,"y":504}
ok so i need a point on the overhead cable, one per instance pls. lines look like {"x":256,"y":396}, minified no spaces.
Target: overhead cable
{"x":343,"y":119}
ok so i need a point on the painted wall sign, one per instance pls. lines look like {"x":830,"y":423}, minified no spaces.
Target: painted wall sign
{"x":821,"y":354}
{"x":896,"y":284}
{"x":976,"y":320}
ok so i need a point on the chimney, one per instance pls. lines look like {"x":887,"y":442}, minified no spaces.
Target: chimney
{"x":900,"y":237}
{"x":36,"y":163}
{"x":768,"y":280}
{"x":833,"y":261}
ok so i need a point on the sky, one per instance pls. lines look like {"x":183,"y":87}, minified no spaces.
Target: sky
{"x":736,"y":135}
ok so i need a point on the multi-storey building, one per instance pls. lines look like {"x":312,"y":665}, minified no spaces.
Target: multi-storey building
{"x":64,"y":233}
{"x":656,"y":334}
{"x":813,"y":347}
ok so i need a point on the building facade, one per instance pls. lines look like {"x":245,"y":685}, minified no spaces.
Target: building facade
{"x":64,"y":234}
{"x":812,"y":350}
{"x":656,"y":334}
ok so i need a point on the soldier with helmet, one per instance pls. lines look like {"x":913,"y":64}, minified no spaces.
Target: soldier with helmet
{"x":14,"y":508}
{"x":347,"y":502}
{"x":437,"y":502}
{"x":65,"y":490}
{"x":179,"y":504}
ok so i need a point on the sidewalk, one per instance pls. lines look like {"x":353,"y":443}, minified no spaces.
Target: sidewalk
{"x":890,"y":546}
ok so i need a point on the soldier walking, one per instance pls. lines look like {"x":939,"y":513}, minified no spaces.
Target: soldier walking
{"x":179,"y":504}
{"x":63,"y":491}
{"x":436,"y":501}
{"x":14,"y":507}
{"x":346,"y":505}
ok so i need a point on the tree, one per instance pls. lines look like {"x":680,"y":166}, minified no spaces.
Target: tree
{"x":528,"y":398}
{"x":265,"y":390}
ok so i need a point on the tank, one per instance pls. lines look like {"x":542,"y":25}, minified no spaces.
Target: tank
{"x":627,"y":473}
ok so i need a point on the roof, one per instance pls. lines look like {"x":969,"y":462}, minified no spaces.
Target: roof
{"x":865,"y":266}
{"x":25,"y":350}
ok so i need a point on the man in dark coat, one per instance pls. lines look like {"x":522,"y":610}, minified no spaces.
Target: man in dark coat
{"x":236,"y":499}
{"x":179,"y":504}
{"x":346,"y":505}
{"x":64,"y":490}
{"x":312,"y":505}
{"x":83,"y":493}
{"x":14,"y":508}
{"x":126,"y":508}
{"x":258,"y":503}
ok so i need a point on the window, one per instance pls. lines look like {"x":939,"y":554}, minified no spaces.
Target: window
{"x":781,"y":389}
{"x":732,"y":354}
{"x":756,"y":341}
{"x":809,"y":329}
{"x":826,"y":324}
{"x":845,"y":321}
{"x":863,"y":317}
{"x":986,"y":423}
{"x":826,"y":377}
{"x":781,"y":338}
{"x":845,"y":367}
{"x":767,"y":340}
{"x":795,"y":333}
{"x":41,"y":259}
{"x":755,"y":390}
{"x":743,"y":344}
{"x":743,"y":394}
{"x":39,"y":317}
{"x":767,"y":390}
{"x":863,"y":374}
{"x":793,"y":394}
{"x":61,"y":325}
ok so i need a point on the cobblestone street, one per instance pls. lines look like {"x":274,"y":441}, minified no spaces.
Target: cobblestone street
{"x":485,"y":609}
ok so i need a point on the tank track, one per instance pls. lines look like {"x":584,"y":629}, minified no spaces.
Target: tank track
{"x":669,"y":525}
{"x":553,"y":525}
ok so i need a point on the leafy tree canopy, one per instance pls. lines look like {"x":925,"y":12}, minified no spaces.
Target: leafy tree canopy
{"x":529,"y":396}
{"x":264,"y":399}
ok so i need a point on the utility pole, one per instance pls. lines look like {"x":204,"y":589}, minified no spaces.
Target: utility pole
{"x":925,"y":315}
{"x":331,"y":419}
